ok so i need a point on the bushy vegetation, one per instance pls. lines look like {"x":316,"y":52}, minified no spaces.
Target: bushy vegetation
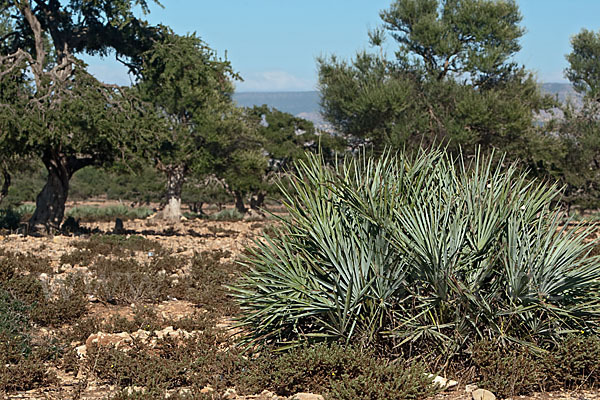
{"x":85,"y":213}
{"x":426,"y":251}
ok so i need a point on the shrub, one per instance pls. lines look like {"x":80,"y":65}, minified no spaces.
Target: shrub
{"x":507,"y":370}
{"x":205,"y":285}
{"x":118,"y":245}
{"x":68,"y":305}
{"x":339,"y":372}
{"x":126,"y":281}
{"x":575,"y":363}
{"x":419,"y":250}
{"x":229,"y":214}
{"x":21,"y":366}
{"x":23,"y":263}
{"x":14,"y":326}
{"x":170,"y":364}
{"x":108,"y":213}
{"x":10,"y":219}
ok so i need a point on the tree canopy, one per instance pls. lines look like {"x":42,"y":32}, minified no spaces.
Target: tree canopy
{"x":451,"y":81}
{"x":183,"y":78}
{"x":584,"y":64}
{"x":60,"y":113}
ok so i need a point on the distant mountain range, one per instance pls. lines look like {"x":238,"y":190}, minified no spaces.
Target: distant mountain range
{"x":307,"y":104}
{"x":563,"y":91}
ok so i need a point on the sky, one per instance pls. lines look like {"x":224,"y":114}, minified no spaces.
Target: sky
{"x":274,"y":44}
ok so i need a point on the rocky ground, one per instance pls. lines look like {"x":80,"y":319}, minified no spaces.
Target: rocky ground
{"x":178,"y":244}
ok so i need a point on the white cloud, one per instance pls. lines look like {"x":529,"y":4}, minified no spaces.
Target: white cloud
{"x":273,"y":81}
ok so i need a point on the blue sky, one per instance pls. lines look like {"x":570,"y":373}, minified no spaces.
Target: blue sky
{"x":273,"y":43}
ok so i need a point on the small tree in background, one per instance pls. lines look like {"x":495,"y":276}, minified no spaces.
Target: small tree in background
{"x":235,"y":155}
{"x":191,"y":87}
{"x":286,"y":139}
{"x":580,"y":127}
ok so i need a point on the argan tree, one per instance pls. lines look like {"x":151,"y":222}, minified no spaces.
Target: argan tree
{"x":191,"y":88}
{"x":235,"y":154}
{"x":451,"y":80}
{"x":63,"y":115}
{"x":584,"y":64}
{"x":286,"y":140}
{"x":579,"y":128}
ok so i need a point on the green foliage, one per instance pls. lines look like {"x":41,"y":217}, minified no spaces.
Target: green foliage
{"x":109,"y":213}
{"x":142,"y":186}
{"x":9,"y":219}
{"x":471,"y":37}
{"x":579,"y":127}
{"x":210,"y":190}
{"x":584,"y":64}
{"x":60,"y":113}
{"x":186,"y":81}
{"x":426,"y":250}
{"x":337,"y":372}
{"x":229,"y":214}
{"x":451,"y":82}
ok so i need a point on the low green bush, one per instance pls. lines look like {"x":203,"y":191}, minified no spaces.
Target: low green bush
{"x":228,"y":214}
{"x":423,"y":252}
{"x":118,"y":245}
{"x":9,"y":219}
{"x":338,"y":372}
{"x":205,"y":285}
{"x":108,"y":213}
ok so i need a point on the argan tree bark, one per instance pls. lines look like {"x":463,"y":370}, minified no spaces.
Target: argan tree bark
{"x":50,"y":202}
{"x":6,"y":179}
{"x":239,"y":202}
{"x":257,"y":201}
{"x":175,"y":179}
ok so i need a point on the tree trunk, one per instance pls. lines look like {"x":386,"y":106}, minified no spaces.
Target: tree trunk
{"x":257,"y":201}
{"x":175,"y":179}
{"x":5,"y":183}
{"x":50,"y":202}
{"x":239,"y":202}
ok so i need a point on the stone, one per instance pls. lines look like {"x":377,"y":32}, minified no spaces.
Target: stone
{"x":470,"y":388}
{"x":207,"y":389}
{"x":307,"y":396}
{"x":135,"y":389}
{"x":230,"y":394}
{"x":81,"y":351}
{"x":482,"y":394}
{"x":441,"y":382}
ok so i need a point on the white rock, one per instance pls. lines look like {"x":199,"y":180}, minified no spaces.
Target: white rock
{"x":81,"y":351}
{"x":206,"y":389}
{"x":230,"y":394}
{"x":482,"y":394}
{"x":442,"y":383}
{"x":307,"y":396}
{"x":135,"y":389}
{"x":470,"y":388}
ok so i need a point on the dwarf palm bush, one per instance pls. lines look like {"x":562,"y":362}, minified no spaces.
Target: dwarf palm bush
{"x":423,"y":248}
